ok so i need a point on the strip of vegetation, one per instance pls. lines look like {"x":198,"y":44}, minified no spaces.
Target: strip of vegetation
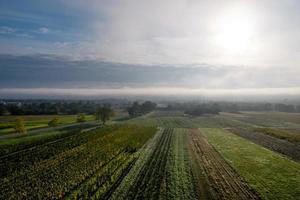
{"x":281,"y":146}
{"x":22,"y":142}
{"x":151,"y":180}
{"x":8,"y":123}
{"x":143,"y":155}
{"x":281,"y":134}
{"x":179,"y":181}
{"x":76,"y":168}
{"x":273,"y":176}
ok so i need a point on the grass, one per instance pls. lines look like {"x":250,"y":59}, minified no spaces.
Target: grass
{"x":272,"y":175}
{"x":34,"y":122}
{"x":29,"y":138}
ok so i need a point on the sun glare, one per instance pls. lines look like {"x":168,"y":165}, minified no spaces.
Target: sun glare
{"x":234,"y":32}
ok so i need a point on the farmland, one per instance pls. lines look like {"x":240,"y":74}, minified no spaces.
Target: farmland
{"x":7,"y":123}
{"x":72,"y":166}
{"x":160,"y":155}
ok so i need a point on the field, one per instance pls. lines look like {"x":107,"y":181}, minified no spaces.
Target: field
{"x":161,"y":155}
{"x":80,"y":165}
{"x":272,"y":175}
{"x":7,"y":123}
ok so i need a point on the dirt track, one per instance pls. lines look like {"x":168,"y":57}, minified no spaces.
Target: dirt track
{"x":224,"y":182}
{"x":281,"y":146}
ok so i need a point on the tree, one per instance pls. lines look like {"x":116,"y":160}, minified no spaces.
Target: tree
{"x":20,"y":126}
{"x":81,"y":118}
{"x":104,"y":113}
{"x":147,"y":107}
{"x":3,"y":110}
{"x":53,"y":122}
{"x":298,"y":108}
{"x":284,"y":107}
{"x":137,"y":109}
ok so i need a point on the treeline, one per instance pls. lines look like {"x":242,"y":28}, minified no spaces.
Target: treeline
{"x":198,"y":110}
{"x":55,"y":107}
{"x":216,"y":107}
{"x":137,"y":109}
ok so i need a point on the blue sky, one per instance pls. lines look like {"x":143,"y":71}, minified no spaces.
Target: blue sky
{"x":253,"y":33}
{"x":256,"y":40}
{"x":29,"y":26}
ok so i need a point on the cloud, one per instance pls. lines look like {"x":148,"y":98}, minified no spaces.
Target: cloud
{"x":184,"y":32}
{"x":43,"y":30}
{"x":7,"y":30}
{"x":46,"y":70}
{"x":152,"y":91}
{"x":139,"y":44}
{"x":61,"y":44}
{"x":172,"y":31}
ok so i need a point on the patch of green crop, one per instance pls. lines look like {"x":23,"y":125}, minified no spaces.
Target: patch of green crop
{"x":142,"y":156}
{"x":179,"y":179}
{"x":7,"y":123}
{"x":28,"y":138}
{"x":272,"y":175}
{"x":86,"y":165}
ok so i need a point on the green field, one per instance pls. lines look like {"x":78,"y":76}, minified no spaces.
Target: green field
{"x":272,"y":175}
{"x":7,"y":123}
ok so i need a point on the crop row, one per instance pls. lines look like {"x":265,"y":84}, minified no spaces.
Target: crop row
{"x":179,"y":177}
{"x":96,"y":186}
{"x":16,"y":144}
{"x":29,"y":156}
{"x":272,"y":175}
{"x":143,"y":155}
{"x":224,"y":182}
{"x":152,"y":177}
{"x":63,"y":173}
{"x":281,"y":146}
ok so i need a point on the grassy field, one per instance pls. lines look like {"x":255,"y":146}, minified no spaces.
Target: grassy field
{"x":272,"y":175}
{"x":7,"y":123}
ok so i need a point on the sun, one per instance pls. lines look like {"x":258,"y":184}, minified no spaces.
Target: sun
{"x":234,"y":32}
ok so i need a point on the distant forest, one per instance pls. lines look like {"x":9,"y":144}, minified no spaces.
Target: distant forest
{"x":41,"y":107}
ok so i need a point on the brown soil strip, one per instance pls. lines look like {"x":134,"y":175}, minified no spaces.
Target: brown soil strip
{"x":200,"y":180}
{"x":275,"y":144}
{"x":224,"y":181}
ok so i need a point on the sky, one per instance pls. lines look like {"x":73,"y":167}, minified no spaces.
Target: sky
{"x":119,"y":46}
